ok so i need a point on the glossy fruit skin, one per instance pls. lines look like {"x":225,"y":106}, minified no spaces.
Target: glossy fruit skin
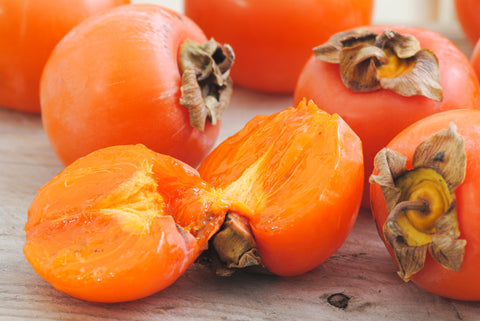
{"x":29,"y":30}
{"x":273,"y":39}
{"x":379,"y":115}
{"x":115,"y":80}
{"x":119,"y":224}
{"x":468,"y":14}
{"x":300,"y":174}
{"x":475,"y":59}
{"x":464,"y":284}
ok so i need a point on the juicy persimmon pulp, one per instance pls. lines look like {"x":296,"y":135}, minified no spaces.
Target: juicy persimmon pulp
{"x":273,"y":168}
{"x":108,"y":231}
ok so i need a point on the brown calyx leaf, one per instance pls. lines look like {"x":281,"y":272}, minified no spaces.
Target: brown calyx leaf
{"x":403,"y":45}
{"x":389,"y":165}
{"x":390,"y":60}
{"x":358,"y":67}
{"x":422,"y":79}
{"x":410,"y":259}
{"x":206,"y":83}
{"x":444,"y":152}
{"x":330,"y":51}
{"x":446,"y":248}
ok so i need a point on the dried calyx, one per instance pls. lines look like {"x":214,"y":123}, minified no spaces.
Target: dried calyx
{"x":369,"y":61}
{"x":206,"y":83}
{"x":421,"y":202}
{"x":232,"y":248}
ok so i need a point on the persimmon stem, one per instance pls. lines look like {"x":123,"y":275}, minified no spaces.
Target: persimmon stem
{"x":417,"y":205}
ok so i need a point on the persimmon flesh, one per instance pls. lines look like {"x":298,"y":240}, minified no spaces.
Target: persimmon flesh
{"x":120,"y":224}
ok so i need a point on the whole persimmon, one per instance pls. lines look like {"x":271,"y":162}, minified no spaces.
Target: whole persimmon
{"x":381,"y":79}
{"x":29,"y":30}
{"x":140,"y":73}
{"x":124,"y":221}
{"x":273,"y":38}
{"x":425,"y":202}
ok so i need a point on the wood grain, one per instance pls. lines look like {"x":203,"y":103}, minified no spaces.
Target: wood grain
{"x":362,"y":270}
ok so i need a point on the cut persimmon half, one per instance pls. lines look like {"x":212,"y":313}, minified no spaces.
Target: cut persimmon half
{"x":299,"y":173}
{"x":120,"y":224}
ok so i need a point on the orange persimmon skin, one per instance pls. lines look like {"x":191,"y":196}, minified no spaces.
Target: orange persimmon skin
{"x":475,"y":59}
{"x":378,"y":116}
{"x":119,"y":224}
{"x":300,"y":174}
{"x":29,"y":30}
{"x":273,"y":39}
{"x":115,"y":80}
{"x":468,"y":14}
{"x":464,"y":284}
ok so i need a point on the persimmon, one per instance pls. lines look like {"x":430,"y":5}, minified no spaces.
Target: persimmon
{"x":383,"y":92}
{"x":140,"y":73}
{"x":273,"y":38}
{"x":467,"y":12}
{"x":119,"y":224}
{"x":29,"y":30}
{"x":300,"y":172}
{"x":428,"y":213}
{"x":124,"y":222}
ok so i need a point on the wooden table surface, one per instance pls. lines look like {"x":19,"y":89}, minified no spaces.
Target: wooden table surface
{"x":361,"y":270}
